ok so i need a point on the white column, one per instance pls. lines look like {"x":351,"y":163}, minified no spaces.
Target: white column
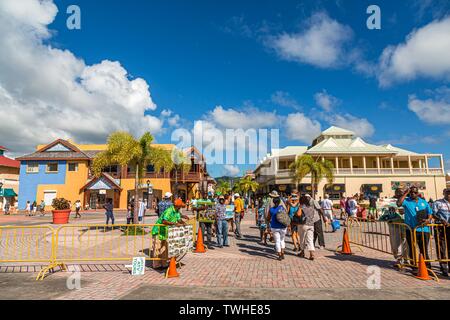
{"x":426,"y":164}
{"x":392,"y":164}
{"x":378,"y":164}
{"x":442,"y":164}
{"x":351,"y":164}
{"x":409,"y":164}
{"x":364,"y":164}
{"x":337,"y":165}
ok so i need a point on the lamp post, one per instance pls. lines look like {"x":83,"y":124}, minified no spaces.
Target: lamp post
{"x":149,"y":195}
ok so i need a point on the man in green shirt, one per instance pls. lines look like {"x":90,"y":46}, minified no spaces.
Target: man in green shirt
{"x":170,"y":217}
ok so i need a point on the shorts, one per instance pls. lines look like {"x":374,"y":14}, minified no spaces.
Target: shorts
{"x":294,"y":227}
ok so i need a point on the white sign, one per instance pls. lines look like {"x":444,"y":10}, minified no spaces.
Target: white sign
{"x":102,"y":192}
{"x":138,"y":266}
{"x":180,"y":240}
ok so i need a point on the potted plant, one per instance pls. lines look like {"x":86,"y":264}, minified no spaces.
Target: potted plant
{"x":61,"y":212}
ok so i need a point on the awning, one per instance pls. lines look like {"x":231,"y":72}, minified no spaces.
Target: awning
{"x":7,"y":193}
{"x":368,"y":188}
{"x":335,"y":188}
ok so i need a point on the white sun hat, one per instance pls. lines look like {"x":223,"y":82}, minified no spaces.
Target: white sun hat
{"x":167,"y":195}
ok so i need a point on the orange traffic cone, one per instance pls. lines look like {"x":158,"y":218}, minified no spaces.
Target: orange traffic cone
{"x":345,"y":244}
{"x":423,"y":272}
{"x":172,"y":270}
{"x":199,"y":248}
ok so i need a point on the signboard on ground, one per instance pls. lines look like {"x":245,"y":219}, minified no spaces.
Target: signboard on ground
{"x":180,"y":240}
{"x":138,"y":266}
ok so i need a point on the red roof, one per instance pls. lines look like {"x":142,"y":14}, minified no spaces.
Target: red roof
{"x":3,"y":148}
{"x":7,"y":162}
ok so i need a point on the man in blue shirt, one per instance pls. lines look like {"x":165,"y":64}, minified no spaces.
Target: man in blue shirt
{"x":441,"y":212}
{"x":417,"y":212}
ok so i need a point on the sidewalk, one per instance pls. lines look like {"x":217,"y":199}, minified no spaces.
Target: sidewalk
{"x":245,"y":269}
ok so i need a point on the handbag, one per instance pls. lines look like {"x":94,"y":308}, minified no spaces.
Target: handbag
{"x":336,"y":225}
{"x":283,"y":218}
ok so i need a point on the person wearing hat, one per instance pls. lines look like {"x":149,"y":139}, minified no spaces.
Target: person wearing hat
{"x":238,"y":214}
{"x":221,"y":223}
{"x":165,"y":203}
{"x":295,"y":212}
{"x":441,"y":213}
{"x":170,"y":217}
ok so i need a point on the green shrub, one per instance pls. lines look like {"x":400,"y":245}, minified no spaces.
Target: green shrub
{"x":60,"y":204}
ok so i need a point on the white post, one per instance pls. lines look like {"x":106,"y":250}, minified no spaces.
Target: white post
{"x":351,"y":164}
{"x":378,"y":165}
{"x":426,"y":164}
{"x":442,"y":165}
{"x":409,"y":164}
{"x":337,"y":165}
{"x":364,"y":164}
{"x":392,"y":164}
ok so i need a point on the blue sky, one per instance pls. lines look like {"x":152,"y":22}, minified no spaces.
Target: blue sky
{"x":251,"y":58}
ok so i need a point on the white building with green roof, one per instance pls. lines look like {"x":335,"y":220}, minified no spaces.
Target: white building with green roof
{"x":359,"y":167}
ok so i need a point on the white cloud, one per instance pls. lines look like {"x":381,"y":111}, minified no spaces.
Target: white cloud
{"x":361,"y":126}
{"x":250,"y":118}
{"x":435,"y":110}
{"x":300,"y":128}
{"x":284,"y":99}
{"x":48,"y":93}
{"x":326,"y":101}
{"x":425,"y":53}
{"x":321,"y":43}
{"x":231,"y":170}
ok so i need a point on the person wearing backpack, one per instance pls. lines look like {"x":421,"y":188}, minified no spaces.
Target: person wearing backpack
{"x":279,"y":221}
{"x":295,"y":213}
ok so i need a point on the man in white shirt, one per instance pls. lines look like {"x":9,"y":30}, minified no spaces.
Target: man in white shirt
{"x":327,"y":208}
{"x":141,"y":211}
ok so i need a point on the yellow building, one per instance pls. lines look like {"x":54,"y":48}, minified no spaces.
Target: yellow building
{"x":359,"y":167}
{"x":63,"y":169}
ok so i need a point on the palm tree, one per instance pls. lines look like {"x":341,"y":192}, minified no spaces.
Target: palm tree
{"x":125,"y":150}
{"x":306,"y":164}
{"x":181,"y":163}
{"x":223,"y":187}
{"x":247,"y":185}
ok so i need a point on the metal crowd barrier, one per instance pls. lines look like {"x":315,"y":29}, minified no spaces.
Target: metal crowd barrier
{"x":389,"y":237}
{"x":434,"y":245}
{"x":76,"y":243}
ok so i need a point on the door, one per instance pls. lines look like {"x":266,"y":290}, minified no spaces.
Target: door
{"x":48,"y":197}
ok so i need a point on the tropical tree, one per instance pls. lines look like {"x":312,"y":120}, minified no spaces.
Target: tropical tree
{"x":318,"y":169}
{"x":223,"y":187}
{"x":247,"y":184}
{"x":125,"y":150}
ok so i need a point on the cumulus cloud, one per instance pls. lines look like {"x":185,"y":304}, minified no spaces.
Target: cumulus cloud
{"x":321,"y":43}
{"x":361,"y":126}
{"x":300,"y":128}
{"x":434,"y":110}
{"x":231,"y":170}
{"x":284,"y":99}
{"x":48,"y":93}
{"x":250,"y":118}
{"x":425,"y":53}
{"x":326,"y":101}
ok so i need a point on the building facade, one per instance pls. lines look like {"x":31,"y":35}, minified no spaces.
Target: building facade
{"x":9,"y":179}
{"x":359,"y":167}
{"x":62,"y":169}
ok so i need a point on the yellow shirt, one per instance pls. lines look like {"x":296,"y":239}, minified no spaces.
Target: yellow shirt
{"x":238,"y":205}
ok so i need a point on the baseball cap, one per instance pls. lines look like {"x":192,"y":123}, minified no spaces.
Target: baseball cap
{"x":167,"y":195}
{"x":236,"y":195}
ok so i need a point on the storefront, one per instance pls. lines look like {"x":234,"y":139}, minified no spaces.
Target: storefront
{"x":99,"y":190}
{"x":371,"y":190}
{"x":305,"y":188}
{"x":7,"y":195}
{"x":335,"y":191}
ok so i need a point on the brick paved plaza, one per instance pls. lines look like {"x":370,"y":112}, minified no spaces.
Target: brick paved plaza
{"x":244,"y":270}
